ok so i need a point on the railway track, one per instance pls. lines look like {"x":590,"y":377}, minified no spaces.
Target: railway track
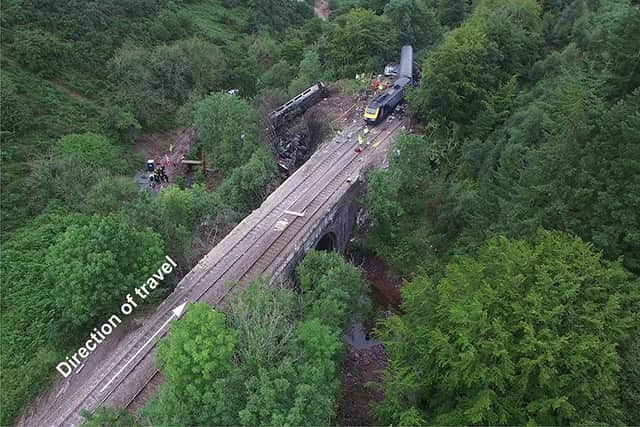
{"x":319,"y":179}
{"x":149,"y":387}
{"x":265,"y":261}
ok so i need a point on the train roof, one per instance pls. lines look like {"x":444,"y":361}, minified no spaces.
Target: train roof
{"x":406,"y":62}
{"x":391,"y":92}
{"x":315,"y":87}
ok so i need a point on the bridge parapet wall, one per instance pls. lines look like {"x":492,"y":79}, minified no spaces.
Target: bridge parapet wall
{"x":338,"y":220}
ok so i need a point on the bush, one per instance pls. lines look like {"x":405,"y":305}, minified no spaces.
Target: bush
{"x":107,"y":249}
{"x":250,"y":183}
{"x":227,"y":130}
{"x":157,"y":82}
{"x":309,"y":73}
{"x":172,"y":25}
{"x":39,"y":51}
{"x":110,"y":195}
{"x":29,"y":318}
{"x":79,"y":162}
{"x":360,"y":41}
{"x":333,"y":291}
{"x":16,"y":114}
{"x":108,"y":417}
{"x":261,"y":365}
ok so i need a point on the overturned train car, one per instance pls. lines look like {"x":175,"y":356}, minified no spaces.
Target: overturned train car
{"x":298,"y":105}
{"x":291,"y":149}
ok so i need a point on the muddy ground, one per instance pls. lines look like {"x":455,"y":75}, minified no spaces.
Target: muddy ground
{"x":366,"y":358}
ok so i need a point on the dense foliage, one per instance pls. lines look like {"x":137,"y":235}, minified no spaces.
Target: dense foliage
{"x":155,"y":83}
{"x":77,"y":163}
{"x":80,"y":83}
{"x":90,"y":267}
{"x":353,"y":38}
{"x":518,"y":333}
{"x":530,"y":112}
{"x":271,"y":359}
{"x":108,"y":417}
{"x":227,"y":130}
{"x":531,"y":120}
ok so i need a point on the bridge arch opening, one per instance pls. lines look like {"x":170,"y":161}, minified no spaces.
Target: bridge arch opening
{"x":328,"y":242}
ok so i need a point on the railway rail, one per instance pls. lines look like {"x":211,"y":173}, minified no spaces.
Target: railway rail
{"x":264,"y":263}
{"x":223,"y":264}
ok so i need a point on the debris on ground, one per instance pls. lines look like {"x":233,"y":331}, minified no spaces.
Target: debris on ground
{"x":361,"y":371}
{"x":295,"y":140}
{"x":164,"y":149}
{"x":366,"y":358}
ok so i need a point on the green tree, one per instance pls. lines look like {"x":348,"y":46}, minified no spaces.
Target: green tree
{"x":567,"y":162}
{"x":157,"y":82}
{"x":451,"y":12}
{"x":175,"y":216}
{"x":276,"y":16}
{"x":419,"y":25}
{"x":630,"y":378}
{"x":265,"y":319}
{"x":260,"y":364}
{"x":250,"y":183}
{"x":110,"y":195}
{"x":334,"y":291}
{"x":455,"y":78}
{"x":227,"y":130}
{"x":384,"y":208}
{"x":16,"y":114}
{"x":91,"y":150}
{"x":92,"y":267}
{"x":309,"y":73}
{"x":499,"y":40}
{"x":616,"y":41}
{"x":278,"y":76}
{"x":586,"y":178}
{"x":172,"y":25}
{"x":301,"y":389}
{"x":201,"y":379}
{"x":180,"y":215}
{"x":516,"y":333}
{"x":29,"y":316}
{"x":360,"y":41}
{"x":397,"y":199}
{"x":292,"y":49}
{"x":244,"y":70}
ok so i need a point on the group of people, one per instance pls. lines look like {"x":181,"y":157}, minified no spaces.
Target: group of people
{"x":158,"y":176}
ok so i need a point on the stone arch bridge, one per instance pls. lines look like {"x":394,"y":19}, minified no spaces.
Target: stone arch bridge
{"x":314,"y":207}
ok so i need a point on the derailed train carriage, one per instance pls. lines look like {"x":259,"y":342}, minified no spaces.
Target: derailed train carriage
{"x":298,"y":105}
{"x":387,"y":101}
{"x":292,"y":149}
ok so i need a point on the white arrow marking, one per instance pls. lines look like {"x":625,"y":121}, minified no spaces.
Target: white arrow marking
{"x":176,"y":312}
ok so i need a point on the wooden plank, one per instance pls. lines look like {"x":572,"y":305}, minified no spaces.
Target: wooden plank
{"x":301,"y":214}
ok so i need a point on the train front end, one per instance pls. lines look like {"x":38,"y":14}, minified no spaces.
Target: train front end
{"x":373,"y":113}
